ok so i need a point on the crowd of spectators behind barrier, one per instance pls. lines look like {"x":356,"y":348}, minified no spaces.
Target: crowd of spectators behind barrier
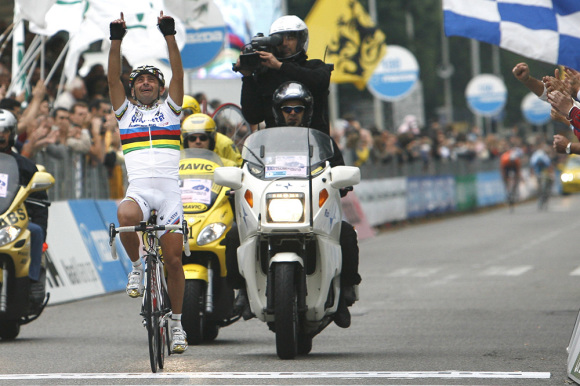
{"x":74,"y":135}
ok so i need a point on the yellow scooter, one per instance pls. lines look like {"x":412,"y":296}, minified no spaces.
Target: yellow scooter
{"x":208,"y":299}
{"x":16,"y":308}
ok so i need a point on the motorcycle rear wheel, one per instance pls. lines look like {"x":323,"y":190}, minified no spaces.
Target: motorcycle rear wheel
{"x":193,"y":316}
{"x":9,"y":329}
{"x":285,"y":311}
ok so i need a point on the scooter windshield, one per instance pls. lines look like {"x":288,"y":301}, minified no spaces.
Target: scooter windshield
{"x":9,"y":181}
{"x":198,"y":191}
{"x":287,"y":152}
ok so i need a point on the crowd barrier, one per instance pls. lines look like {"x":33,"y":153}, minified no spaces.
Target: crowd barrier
{"x":79,"y":257}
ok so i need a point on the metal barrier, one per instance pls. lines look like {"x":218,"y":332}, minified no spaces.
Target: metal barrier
{"x":76,"y":178}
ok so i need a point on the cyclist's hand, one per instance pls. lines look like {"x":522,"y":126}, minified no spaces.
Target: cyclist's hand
{"x":166,"y":24}
{"x":118,"y":28}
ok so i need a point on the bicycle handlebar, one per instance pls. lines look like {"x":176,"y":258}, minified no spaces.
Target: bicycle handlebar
{"x":144,"y":227}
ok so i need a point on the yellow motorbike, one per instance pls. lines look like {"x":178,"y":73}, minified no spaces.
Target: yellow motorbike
{"x":208,"y":299}
{"x":16,"y":309}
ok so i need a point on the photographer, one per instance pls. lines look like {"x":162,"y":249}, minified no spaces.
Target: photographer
{"x":282,"y":58}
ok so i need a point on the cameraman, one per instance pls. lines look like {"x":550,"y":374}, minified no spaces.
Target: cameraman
{"x":286,"y":62}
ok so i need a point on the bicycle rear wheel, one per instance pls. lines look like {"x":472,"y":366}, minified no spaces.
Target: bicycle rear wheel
{"x":151,"y":304}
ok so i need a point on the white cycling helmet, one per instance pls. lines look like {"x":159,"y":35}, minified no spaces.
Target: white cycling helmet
{"x":290,"y":24}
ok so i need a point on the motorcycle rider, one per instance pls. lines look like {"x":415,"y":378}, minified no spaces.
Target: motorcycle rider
{"x":201,"y":128}
{"x":150,"y":136}
{"x":287,"y":62}
{"x":37,"y":212}
{"x":292,"y":106}
{"x":189,"y":106}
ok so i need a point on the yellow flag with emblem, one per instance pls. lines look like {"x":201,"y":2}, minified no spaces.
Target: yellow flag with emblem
{"x":342,"y":32}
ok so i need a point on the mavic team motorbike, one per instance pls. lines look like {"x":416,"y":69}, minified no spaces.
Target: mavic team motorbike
{"x":289,"y":216}
{"x":208,"y":299}
{"x":16,"y":307}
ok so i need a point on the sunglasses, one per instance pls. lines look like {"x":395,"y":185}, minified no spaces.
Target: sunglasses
{"x":201,"y":137}
{"x":296,"y":109}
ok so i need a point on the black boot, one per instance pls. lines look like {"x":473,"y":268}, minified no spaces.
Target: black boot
{"x":242,"y":305}
{"x":342,"y":315}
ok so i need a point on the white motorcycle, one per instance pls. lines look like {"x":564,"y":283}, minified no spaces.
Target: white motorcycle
{"x":289,"y":216}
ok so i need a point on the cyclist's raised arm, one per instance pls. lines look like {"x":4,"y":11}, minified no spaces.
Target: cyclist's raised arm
{"x":118,"y":29}
{"x":166,"y":25}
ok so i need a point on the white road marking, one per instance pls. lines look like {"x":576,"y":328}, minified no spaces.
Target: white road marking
{"x":286,"y":375}
{"x":503,"y":270}
{"x":414,"y":272}
{"x":575,"y":272}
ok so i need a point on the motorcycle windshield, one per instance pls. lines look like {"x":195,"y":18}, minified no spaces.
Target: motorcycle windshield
{"x":198,"y":191}
{"x":281,"y":152}
{"x":9,"y":181}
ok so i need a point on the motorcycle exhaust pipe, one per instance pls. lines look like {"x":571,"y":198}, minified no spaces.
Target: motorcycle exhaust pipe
{"x":209,"y":292}
{"x":4,"y":290}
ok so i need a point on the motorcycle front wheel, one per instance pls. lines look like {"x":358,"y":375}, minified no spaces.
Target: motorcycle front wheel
{"x":193,"y":316}
{"x":285,"y":310}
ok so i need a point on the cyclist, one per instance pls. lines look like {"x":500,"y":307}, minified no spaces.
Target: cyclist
{"x":510,"y":163}
{"x":201,"y":127}
{"x":292,"y":106}
{"x":287,"y":63}
{"x":542,"y":168}
{"x":150,"y":134}
{"x":37,"y":212}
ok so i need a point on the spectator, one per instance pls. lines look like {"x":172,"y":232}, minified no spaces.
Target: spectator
{"x":75,"y":91}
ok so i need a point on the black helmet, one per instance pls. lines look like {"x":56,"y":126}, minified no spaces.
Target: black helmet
{"x":8,"y":123}
{"x":146,"y":70}
{"x":292,"y":91}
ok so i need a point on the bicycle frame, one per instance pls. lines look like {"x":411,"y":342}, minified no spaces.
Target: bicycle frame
{"x":155,"y":308}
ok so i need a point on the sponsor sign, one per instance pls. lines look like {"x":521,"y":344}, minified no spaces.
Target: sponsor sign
{"x":486,"y":95}
{"x":395,"y":76}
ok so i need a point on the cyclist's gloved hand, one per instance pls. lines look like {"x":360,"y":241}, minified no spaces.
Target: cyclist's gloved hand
{"x":117,"y":30}
{"x":166,"y":25}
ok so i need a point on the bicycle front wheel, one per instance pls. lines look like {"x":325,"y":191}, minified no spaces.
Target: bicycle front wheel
{"x":151,"y":308}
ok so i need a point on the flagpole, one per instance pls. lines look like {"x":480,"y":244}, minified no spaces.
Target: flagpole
{"x":476,"y":70}
{"x":377,"y":103}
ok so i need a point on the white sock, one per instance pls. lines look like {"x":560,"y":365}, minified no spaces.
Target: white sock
{"x":175,"y":321}
{"x":137,"y":265}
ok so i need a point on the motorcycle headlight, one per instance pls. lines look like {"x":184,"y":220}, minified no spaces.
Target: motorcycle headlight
{"x":211,"y":233}
{"x":285,"y":207}
{"x":8,"y":234}
{"x":567,"y":177}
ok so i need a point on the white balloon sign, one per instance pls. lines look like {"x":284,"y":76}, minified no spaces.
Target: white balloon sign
{"x":486,"y":95}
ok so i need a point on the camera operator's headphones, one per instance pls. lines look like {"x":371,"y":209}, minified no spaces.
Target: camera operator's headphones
{"x":292,"y":24}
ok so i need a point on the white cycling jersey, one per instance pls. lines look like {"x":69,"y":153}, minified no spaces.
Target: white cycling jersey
{"x":150,"y":138}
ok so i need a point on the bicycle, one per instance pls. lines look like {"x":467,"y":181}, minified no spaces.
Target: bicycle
{"x":156,"y":307}
{"x":545,"y":182}
{"x":511,"y":187}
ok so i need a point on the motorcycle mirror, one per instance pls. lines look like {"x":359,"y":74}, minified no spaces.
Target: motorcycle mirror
{"x":41,"y":181}
{"x":343,"y":176}
{"x":228,"y":176}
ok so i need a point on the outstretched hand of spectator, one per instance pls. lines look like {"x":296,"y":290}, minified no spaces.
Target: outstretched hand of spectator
{"x":521,"y":71}
{"x":562,"y":102}
{"x":560,"y":143}
{"x":573,"y":78}
{"x":556,"y":116}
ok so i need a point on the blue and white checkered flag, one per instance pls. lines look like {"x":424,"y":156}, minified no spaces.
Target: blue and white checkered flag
{"x":546,"y":30}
